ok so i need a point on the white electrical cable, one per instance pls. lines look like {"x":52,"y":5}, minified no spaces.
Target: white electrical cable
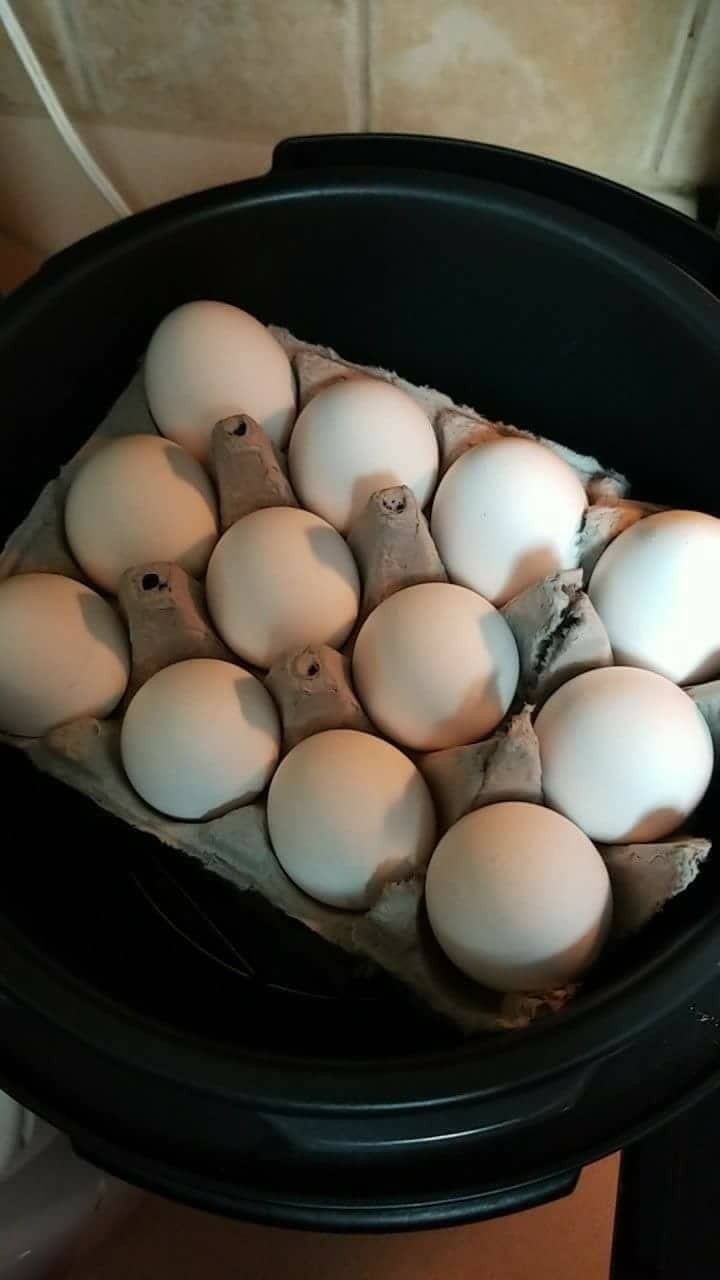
{"x":51,"y":102}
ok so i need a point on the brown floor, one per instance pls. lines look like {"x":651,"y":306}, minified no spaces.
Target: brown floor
{"x":561,"y":1241}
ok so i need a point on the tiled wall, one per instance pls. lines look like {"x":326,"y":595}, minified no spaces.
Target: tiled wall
{"x":630,"y":88}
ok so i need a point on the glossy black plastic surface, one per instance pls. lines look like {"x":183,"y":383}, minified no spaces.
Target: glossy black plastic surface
{"x":357,"y":1112}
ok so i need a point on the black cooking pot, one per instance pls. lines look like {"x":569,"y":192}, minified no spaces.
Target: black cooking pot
{"x":185,"y":1035}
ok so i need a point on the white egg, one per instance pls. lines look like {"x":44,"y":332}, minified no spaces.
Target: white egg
{"x":200,"y":737}
{"x":518,"y":898}
{"x":655,"y":589}
{"x":435,"y":666}
{"x":208,"y":360}
{"x":358,"y":436}
{"x":278,"y":580}
{"x":63,"y":654}
{"x":347,"y":814}
{"x":506,"y":515}
{"x":137,"y":499}
{"x":625,"y":754}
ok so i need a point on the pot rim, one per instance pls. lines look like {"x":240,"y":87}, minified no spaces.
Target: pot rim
{"x":598,"y":1024}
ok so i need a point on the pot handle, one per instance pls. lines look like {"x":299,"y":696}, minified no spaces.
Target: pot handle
{"x":417,"y":1211}
{"x":458,"y":1128}
{"x":680,"y":240}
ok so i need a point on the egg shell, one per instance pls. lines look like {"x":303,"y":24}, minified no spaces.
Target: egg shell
{"x":357,"y":436}
{"x":518,"y":898}
{"x":625,"y":754}
{"x":655,"y":589}
{"x":64,"y":654}
{"x":506,"y":515}
{"x":137,"y":499}
{"x":280,"y":579}
{"x":208,"y":360}
{"x":435,"y":666}
{"x":200,"y":737}
{"x":347,"y":814}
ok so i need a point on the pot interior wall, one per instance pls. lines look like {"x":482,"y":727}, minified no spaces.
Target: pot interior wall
{"x":551,"y":323}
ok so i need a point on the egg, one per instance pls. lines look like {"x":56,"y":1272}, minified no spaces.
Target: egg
{"x":625,"y":754}
{"x":347,"y":814}
{"x":518,"y":898}
{"x":208,"y":360}
{"x":435,"y":665}
{"x":63,"y":654}
{"x":280,"y":579}
{"x":506,"y":515}
{"x":655,"y":589}
{"x":358,"y":436}
{"x":137,"y":499}
{"x":199,"y":738}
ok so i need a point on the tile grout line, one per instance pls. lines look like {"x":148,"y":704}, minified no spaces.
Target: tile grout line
{"x":62,"y":31}
{"x":678,"y":82}
{"x":364,"y":67}
{"x":73,"y":23}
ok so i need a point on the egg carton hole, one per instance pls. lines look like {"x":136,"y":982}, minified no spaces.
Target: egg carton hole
{"x":153,"y":582}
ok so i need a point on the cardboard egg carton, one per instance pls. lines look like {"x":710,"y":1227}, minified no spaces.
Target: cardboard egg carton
{"x":555,"y":626}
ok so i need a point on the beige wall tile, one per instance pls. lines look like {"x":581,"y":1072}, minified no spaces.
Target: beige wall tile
{"x":630,"y":88}
{"x":691,"y":150}
{"x":46,"y":200}
{"x":45,"y":24}
{"x":585,"y":81}
{"x":232,"y":67}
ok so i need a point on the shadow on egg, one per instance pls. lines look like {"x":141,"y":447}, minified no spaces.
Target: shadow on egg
{"x":396,"y":828}
{"x":537,"y":563}
{"x":101,"y":621}
{"x":250,"y":705}
{"x":487,"y":693}
{"x":560,"y":968}
{"x":329,"y":549}
{"x":710,"y":670}
{"x":364,"y":488}
{"x":252,"y":712}
{"x":656,"y":824}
